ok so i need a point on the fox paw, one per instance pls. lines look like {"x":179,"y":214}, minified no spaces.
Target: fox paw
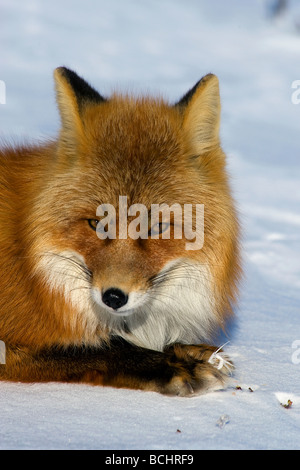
{"x":197,"y":369}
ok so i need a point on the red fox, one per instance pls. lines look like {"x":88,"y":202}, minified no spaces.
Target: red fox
{"x":120,"y":311}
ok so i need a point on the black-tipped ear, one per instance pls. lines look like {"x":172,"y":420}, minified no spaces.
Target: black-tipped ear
{"x":83,"y":92}
{"x":200,"y":108}
{"x":184,"y":101}
{"x":73,"y":96}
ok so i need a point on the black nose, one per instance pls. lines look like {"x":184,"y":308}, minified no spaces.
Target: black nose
{"x":114,"y":298}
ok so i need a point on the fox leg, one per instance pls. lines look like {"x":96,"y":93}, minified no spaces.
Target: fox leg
{"x":179,"y":370}
{"x":203,"y":368}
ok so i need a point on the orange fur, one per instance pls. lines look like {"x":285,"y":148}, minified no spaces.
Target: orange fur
{"x":140,"y":147}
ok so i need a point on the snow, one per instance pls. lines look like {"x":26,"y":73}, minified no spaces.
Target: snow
{"x":165,"y":47}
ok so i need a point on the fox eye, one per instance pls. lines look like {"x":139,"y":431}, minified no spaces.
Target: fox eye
{"x":159,"y":228}
{"x":93,"y":223}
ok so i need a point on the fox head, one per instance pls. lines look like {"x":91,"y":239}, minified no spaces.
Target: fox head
{"x":149,"y":289}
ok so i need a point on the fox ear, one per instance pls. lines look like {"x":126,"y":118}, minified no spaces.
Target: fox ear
{"x":201,"y":113}
{"x":73,"y":94}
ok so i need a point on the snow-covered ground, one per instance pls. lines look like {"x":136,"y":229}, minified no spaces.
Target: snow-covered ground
{"x":165,"y":46}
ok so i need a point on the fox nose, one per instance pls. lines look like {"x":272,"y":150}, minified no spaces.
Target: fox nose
{"x":114,"y":298}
